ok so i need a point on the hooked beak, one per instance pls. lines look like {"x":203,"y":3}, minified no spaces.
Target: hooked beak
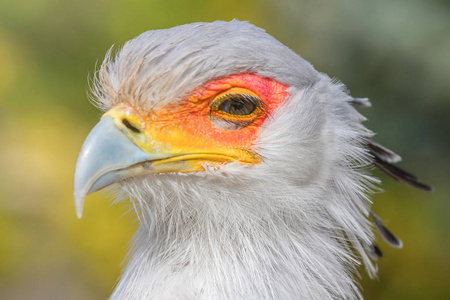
{"x":106,"y":157}
{"x":117,"y":148}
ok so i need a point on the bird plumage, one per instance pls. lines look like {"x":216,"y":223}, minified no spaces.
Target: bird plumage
{"x":293,"y":226}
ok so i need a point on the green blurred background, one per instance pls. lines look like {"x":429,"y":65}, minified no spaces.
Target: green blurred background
{"x":395,"y":52}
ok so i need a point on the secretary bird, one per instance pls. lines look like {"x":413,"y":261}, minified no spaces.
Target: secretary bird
{"x":246,"y":167}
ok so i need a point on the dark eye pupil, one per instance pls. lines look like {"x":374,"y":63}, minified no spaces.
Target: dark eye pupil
{"x":237,"y":107}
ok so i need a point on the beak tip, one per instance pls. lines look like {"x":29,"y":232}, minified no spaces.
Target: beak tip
{"x":79,"y":203}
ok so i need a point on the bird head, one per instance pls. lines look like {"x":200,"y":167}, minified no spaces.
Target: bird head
{"x":215,"y":100}
{"x":217,"y":130}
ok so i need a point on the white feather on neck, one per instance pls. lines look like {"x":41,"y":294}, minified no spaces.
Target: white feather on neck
{"x":283,"y":229}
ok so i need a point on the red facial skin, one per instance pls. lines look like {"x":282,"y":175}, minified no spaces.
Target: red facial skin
{"x":190,"y":126}
{"x":193,"y":115}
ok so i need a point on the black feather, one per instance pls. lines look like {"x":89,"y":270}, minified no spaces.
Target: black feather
{"x":402,"y":176}
{"x":383,"y":153}
{"x":373,"y":251}
{"x":360,"y":102}
{"x":385,"y":234}
{"x":384,"y":159}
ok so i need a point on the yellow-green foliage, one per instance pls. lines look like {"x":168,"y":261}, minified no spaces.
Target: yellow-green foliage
{"x":396,"y":54}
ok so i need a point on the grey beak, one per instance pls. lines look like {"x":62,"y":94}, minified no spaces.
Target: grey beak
{"x":106,"y":157}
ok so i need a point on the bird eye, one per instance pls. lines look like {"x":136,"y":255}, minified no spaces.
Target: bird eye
{"x":233,"y":111}
{"x":236,"y":106}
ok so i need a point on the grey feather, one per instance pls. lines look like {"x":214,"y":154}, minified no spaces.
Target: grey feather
{"x":185,"y":57}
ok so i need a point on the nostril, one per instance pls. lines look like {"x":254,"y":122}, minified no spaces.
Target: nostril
{"x":129,"y":126}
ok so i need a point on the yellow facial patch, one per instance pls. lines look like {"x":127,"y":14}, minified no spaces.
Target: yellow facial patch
{"x":190,"y":132}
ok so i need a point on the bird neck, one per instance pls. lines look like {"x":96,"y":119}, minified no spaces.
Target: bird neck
{"x":218,"y":246}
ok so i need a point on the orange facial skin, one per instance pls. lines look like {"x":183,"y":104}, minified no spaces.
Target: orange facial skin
{"x":185,"y":129}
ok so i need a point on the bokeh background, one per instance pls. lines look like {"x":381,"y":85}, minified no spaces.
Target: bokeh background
{"x":397,"y":53}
